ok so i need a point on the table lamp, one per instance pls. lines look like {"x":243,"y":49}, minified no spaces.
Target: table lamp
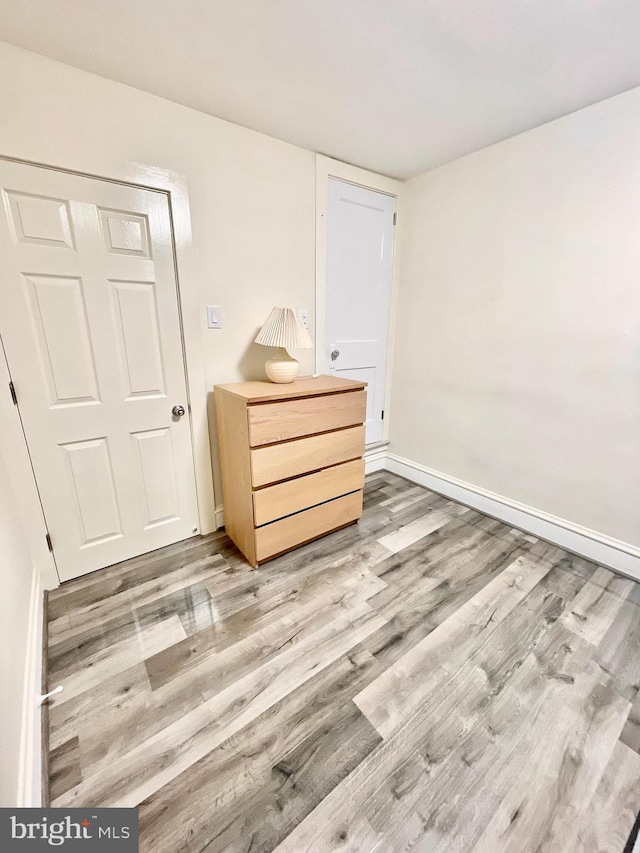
{"x":283,"y":328}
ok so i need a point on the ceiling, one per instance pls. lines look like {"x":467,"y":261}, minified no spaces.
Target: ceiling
{"x":396,"y":86}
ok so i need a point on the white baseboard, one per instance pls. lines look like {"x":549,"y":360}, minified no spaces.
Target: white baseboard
{"x":29,"y":793}
{"x":375,"y":457}
{"x":374,"y":462}
{"x":604,"y":550}
{"x":219,"y":517}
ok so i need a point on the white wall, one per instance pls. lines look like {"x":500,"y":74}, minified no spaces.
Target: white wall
{"x":252,"y":197}
{"x":24,"y":572}
{"x":18,"y":657}
{"x":517,"y":362}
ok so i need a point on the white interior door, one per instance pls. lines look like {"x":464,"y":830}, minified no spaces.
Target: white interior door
{"x":90,"y":324}
{"x":360,"y":242}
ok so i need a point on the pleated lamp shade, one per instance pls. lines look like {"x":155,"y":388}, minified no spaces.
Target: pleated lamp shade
{"x":285,"y":329}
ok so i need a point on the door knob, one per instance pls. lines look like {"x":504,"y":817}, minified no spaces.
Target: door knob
{"x":335,"y":353}
{"x":178,"y":411}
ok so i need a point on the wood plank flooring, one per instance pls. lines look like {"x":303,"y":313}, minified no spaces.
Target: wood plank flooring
{"x":427,"y":680}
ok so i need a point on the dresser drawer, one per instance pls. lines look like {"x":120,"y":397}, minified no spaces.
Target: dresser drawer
{"x":289,"y":532}
{"x":274,"y":502}
{"x":292,"y":458}
{"x":271,"y":422}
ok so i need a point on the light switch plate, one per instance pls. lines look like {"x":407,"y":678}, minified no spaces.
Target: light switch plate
{"x":304,"y":316}
{"x":214,"y":317}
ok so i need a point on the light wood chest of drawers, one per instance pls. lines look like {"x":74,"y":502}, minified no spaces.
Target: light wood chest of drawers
{"x":291,"y":458}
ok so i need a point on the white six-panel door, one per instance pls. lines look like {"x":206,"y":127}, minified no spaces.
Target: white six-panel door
{"x":360,"y":244}
{"x":90,"y":324}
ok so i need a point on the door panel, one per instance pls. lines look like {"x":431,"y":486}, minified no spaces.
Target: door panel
{"x":371,"y":376}
{"x":40,"y":220}
{"x":157,"y":476}
{"x":137,"y":327}
{"x":91,"y":329}
{"x":125,"y":233}
{"x":59,"y":319}
{"x":91,"y":472}
{"x":360,"y":243}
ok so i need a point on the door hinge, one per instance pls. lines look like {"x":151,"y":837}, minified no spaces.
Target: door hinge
{"x":14,"y":396}
{"x":394,"y":218}
{"x":49,"y":543}
{"x":382,"y":415}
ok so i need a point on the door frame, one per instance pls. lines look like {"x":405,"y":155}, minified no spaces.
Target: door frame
{"x":327,"y":168}
{"x":21,"y":475}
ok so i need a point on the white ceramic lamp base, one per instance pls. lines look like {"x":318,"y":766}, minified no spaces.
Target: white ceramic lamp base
{"x":282,"y":368}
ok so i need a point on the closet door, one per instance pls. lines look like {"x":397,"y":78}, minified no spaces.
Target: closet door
{"x":91,"y":329}
{"x":360,"y":244}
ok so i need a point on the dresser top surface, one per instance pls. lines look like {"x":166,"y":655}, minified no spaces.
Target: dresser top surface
{"x":308,"y":386}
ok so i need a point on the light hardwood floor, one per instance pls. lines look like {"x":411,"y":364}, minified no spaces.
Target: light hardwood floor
{"x":428,"y":680}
